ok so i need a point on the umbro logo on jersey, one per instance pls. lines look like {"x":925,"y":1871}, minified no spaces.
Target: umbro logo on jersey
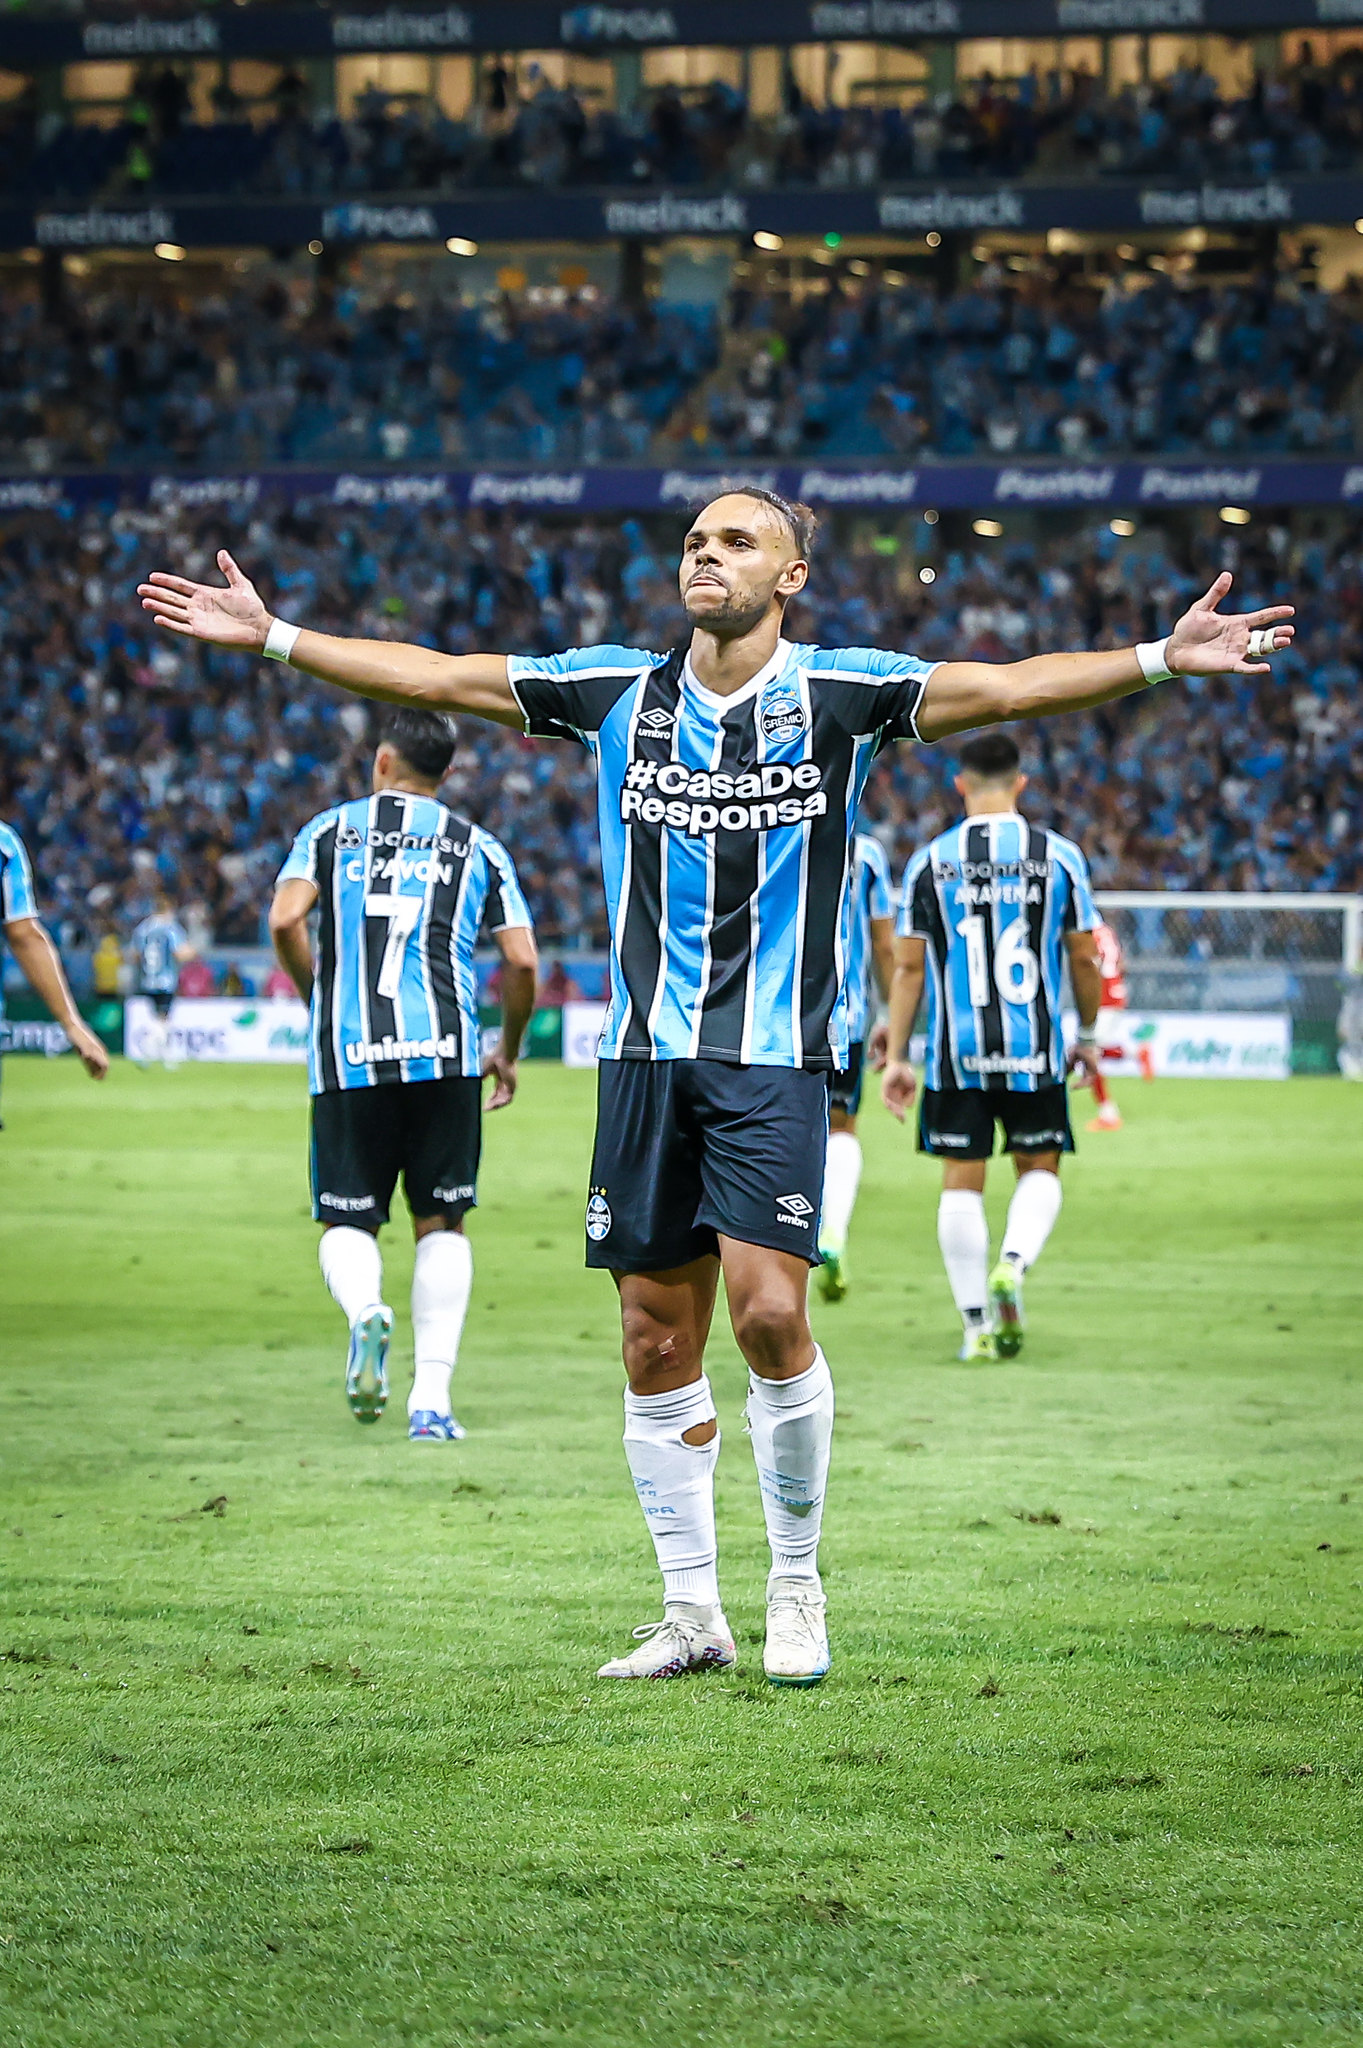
{"x":656,"y":722}
{"x":795,"y":1210}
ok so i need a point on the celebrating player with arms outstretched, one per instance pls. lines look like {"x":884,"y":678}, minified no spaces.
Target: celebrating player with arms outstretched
{"x":729,"y":773}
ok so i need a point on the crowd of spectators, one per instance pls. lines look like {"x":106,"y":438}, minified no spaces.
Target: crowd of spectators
{"x":128,"y":757}
{"x":881,"y":365}
{"x":1305,"y":118}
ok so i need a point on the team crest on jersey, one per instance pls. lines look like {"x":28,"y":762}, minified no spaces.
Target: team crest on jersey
{"x":782,"y":716}
{"x":599,"y":1217}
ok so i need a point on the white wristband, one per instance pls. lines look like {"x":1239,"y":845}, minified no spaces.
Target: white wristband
{"x":279,"y":640}
{"x":1087,"y":1034}
{"x":1151,"y":656}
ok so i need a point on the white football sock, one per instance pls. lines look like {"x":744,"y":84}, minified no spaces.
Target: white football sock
{"x":791,"y":1425}
{"x":841,"y":1178}
{"x":442,"y":1275}
{"x":675,"y":1482}
{"x":963,"y":1235}
{"x":352,"y":1267}
{"x":1031,"y":1216}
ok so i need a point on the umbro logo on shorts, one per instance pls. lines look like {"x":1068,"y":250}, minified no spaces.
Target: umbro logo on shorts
{"x":795,"y":1210}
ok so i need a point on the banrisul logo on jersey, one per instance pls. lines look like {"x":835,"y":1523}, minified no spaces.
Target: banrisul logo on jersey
{"x":701,"y":800}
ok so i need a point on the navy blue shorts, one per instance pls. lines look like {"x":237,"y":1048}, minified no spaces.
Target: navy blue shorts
{"x":430,"y":1132}
{"x":689,"y":1149}
{"x":845,"y":1088}
{"x":958,"y":1123}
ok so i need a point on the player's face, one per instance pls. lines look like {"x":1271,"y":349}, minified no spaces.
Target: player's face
{"x":738,"y":558}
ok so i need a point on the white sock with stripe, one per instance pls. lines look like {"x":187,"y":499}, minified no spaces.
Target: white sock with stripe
{"x":791,"y":1424}
{"x":675,"y":1483}
{"x":963,"y":1235}
{"x":442,"y":1280}
{"x":352,"y":1267}
{"x":1032,"y":1215}
{"x":841,"y":1179}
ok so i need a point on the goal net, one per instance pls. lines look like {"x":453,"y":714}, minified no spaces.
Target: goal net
{"x":1289,"y":955}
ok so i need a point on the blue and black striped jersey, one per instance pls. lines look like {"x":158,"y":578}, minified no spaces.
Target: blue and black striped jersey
{"x":726,"y":828}
{"x":870,"y":895}
{"x":403,"y":887}
{"x":993,"y":898}
{"x":157,"y":942}
{"x":17,"y":897}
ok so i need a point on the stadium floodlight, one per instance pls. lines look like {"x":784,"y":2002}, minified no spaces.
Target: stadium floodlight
{"x":170,"y":252}
{"x":460,"y":245}
{"x":763,"y":239}
{"x":1123,"y":528}
{"x":1234,"y":515}
{"x":987,"y":529}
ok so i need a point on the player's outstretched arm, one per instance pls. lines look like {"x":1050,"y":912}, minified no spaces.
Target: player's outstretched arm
{"x":1206,"y":642}
{"x":235,"y":615}
{"x":42,"y":968}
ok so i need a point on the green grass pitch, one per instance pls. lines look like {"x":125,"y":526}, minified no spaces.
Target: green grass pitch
{"x":325,"y":1763}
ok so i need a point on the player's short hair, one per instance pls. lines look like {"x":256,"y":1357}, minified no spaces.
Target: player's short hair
{"x":426,"y":740}
{"x":992,"y":756}
{"x":802,"y":520}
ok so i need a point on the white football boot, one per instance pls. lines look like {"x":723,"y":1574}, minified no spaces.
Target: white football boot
{"x":797,"y":1633}
{"x":686,"y":1639}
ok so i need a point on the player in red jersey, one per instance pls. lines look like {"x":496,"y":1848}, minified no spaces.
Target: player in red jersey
{"x":1111,"y":1045}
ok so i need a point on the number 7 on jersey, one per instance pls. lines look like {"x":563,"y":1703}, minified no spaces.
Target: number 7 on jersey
{"x":404,"y":915}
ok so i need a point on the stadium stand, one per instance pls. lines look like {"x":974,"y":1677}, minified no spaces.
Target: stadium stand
{"x":126,"y":756}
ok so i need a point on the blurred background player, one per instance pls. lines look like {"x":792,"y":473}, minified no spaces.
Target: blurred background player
{"x":990,"y":911}
{"x":395,"y":1066}
{"x":37,"y":957}
{"x":870,"y":956}
{"x":1110,"y":1046}
{"x":160,"y":948}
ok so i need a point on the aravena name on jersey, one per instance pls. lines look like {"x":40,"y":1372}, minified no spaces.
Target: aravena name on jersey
{"x":403,"y":888}
{"x":993,"y":898}
{"x":725,"y":832}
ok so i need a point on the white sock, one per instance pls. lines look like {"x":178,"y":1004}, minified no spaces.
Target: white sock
{"x":791,"y":1425}
{"x":442,"y":1276}
{"x":963,"y":1235}
{"x":1031,"y":1216}
{"x":841,"y":1178}
{"x":352,"y":1267}
{"x":675,"y":1482}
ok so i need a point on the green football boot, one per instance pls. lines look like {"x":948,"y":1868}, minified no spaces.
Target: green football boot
{"x":978,"y":1348}
{"x":1005,"y":1297}
{"x":833,"y":1274}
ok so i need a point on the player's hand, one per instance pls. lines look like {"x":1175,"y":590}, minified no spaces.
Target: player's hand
{"x":1207,"y":643}
{"x":898,"y":1088}
{"x":502,"y":1069}
{"x":93,"y":1053}
{"x":1083,"y":1062}
{"x":878,"y":1047}
{"x":234,"y":617}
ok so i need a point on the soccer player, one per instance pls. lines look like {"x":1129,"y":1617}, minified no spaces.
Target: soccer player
{"x":28,"y":940}
{"x":1113,"y":969}
{"x":160,"y":947}
{"x":402,"y":887}
{"x":729,"y":773}
{"x":870,"y":953}
{"x":989,"y":912}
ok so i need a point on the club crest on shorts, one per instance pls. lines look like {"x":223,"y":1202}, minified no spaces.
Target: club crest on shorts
{"x":599,"y":1217}
{"x":782,"y":715}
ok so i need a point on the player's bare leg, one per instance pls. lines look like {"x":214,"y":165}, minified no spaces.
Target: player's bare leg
{"x":352,"y":1267}
{"x":442,"y":1280}
{"x":1031,"y":1218}
{"x":963,"y":1238}
{"x":841,"y":1179}
{"x":790,"y":1419}
{"x":672,"y":1444}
